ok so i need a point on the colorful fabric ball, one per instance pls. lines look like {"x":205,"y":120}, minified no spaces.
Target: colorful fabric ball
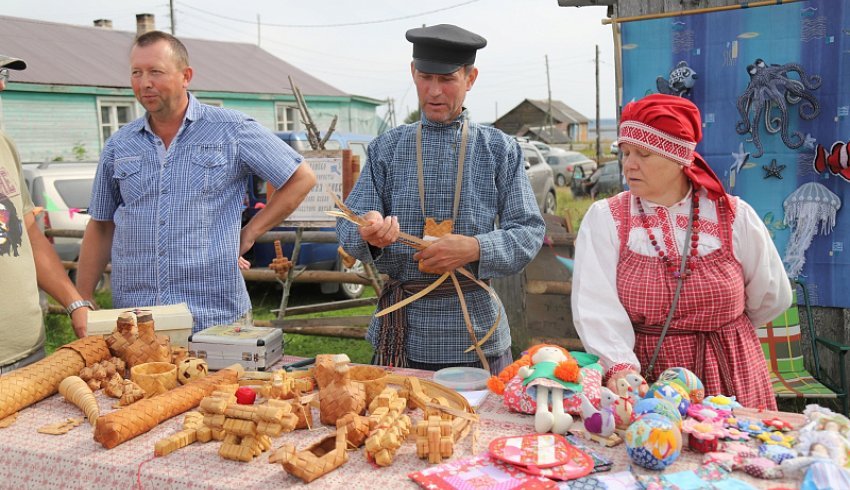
{"x":653,"y":442}
{"x":673,"y":393}
{"x":658,"y":406}
{"x":688,"y":380}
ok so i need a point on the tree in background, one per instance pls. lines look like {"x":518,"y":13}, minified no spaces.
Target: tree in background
{"x":412,"y":117}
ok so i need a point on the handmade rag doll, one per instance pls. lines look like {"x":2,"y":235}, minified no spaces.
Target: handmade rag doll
{"x":547,"y":372}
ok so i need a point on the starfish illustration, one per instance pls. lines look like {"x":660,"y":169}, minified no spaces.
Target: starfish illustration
{"x":773,"y":170}
{"x":810,"y":141}
{"x":740,"y":159}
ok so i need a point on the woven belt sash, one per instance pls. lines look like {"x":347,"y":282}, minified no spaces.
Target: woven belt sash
{"x":392,"y":329}
{"x":703,"y":337}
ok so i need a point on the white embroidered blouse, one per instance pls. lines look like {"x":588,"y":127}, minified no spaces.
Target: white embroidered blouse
{"x":600,"y":319}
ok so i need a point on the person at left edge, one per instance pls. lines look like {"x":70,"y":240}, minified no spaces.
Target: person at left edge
{"x":167,"y":198}
{"x":27,"y":261}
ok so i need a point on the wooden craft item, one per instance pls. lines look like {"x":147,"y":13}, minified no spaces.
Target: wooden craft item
{"x":356,"y":428}
{"x":316,"y":460}
{"x":434,"y":230}
{"x":98,"y":375}
{"x":373,"y":379}
{"x":135,"y":339}
{"x":389,"y":432}
{"x":193,"y":422}
{"x":247,"y":428}
{"x":448,"y":417}
{"x":434,"y":439}
{"x":122,"y":425}
{"x":178,"y":353}
{"x":114,"y":386}
{"x":284,"y":386}
{"x":340,"y":397}
{"x":130,"y":393}
{"x":347,"y":259}
{"x":60,"y":428}
{"x":8,"y":420}
{"x":280,"y":264}
{"x":191,"y":368}
{"x":154,"y":377}
{"x":30,"y":384}
{"x":76,"y":391}
{"x":325,"y":366}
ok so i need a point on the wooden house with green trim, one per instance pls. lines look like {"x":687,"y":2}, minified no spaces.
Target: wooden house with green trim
{"x":76,"y":89}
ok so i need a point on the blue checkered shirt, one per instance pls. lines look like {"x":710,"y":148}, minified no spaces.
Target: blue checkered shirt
{"x":495,"y":190}
{"x":177,"y":212}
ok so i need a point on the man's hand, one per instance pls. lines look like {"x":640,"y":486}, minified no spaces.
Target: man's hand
{"x":79,"y":320}
{"x":381,"y":232}
{"x":245,"y":243}
{"x":448,"y":253}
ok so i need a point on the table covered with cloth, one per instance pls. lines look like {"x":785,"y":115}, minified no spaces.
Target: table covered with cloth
{"x":29,"y":459}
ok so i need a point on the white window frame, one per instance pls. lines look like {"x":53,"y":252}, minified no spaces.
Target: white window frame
{"x":286,"y":124}
{"x":112,"y":103}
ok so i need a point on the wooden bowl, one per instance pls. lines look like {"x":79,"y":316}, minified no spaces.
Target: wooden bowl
{"x":373,"y":378}
{"x":154,"y":377}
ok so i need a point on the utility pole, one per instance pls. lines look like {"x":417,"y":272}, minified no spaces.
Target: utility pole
{"x":549,"y":88}
{"x":258,"y":30}
{"x":598,"y":129}
{"x":171,"y":13}
{"x":496,"y":115}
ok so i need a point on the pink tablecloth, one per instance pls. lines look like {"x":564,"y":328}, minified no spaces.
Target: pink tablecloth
{"x":74,"y":460}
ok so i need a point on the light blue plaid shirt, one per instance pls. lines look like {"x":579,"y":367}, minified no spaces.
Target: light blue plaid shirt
{"x":495,"y":188}
{"x":177,"y":212}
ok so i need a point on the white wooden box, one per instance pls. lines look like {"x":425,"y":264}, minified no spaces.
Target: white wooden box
{"x":172,"y":320}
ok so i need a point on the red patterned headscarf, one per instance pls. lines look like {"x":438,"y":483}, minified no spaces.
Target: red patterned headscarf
{"x":670,"y":126}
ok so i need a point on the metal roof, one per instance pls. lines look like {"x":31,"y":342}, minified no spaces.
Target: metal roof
{"x":560,"y":112}
{"x":63,"y":54}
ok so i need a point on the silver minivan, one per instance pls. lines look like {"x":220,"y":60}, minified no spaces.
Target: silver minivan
{"x":63,"y":191}
{"x":541,"y":178}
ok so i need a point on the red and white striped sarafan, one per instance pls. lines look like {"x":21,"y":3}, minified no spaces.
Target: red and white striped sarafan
{"x":709,"y":333}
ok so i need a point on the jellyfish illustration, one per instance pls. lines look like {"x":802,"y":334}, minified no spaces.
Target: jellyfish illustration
{"x":808,"y":207}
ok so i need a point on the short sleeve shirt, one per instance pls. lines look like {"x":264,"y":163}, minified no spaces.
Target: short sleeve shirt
{"x":177,"y":211}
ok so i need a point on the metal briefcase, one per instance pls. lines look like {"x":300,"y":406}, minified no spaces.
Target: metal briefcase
{"x":255,"y":348}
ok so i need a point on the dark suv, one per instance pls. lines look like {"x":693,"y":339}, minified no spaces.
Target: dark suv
{"x":314,"y":256}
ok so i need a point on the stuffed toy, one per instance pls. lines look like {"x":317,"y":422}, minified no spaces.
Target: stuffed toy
{"x":547,"y":371}
{"x":516,"y":399}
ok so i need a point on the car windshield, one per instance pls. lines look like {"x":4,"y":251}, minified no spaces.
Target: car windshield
{"x":75,"y":192}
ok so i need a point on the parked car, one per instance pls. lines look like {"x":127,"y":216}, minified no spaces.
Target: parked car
{"x":63,"y":190}
{"x":540,"y":176}
{"x":313,"y":256}
{"x":615,"y":149}
{"x":563,"y":163}
{"x":543,"y":147}
{"x":607,"y":179}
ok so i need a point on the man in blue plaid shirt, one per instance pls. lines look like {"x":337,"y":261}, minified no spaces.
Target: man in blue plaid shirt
{"x":167,"y":198}
{"x":443,"y":168}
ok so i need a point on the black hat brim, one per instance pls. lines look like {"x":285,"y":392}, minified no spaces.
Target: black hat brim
{"x":435,"y":67}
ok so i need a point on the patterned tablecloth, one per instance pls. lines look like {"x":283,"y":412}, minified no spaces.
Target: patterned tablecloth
{"x":74,"y":460}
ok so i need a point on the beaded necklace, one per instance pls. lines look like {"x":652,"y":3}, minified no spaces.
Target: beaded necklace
{"x":690,"y":252}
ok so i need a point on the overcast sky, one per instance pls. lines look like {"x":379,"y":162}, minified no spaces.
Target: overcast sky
{"x":372,"y":57}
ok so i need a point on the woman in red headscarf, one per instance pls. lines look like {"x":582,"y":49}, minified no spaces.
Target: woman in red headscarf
{"x":676,"y":228}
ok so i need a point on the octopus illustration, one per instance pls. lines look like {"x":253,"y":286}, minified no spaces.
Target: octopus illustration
{"x":769,"y":96}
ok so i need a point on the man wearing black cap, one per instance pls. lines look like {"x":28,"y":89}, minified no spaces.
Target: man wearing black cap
{"x":28,"y":261}
{"x":454,"y":182}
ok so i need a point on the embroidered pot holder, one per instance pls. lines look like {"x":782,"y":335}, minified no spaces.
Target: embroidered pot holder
{"x":549,"y":455}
